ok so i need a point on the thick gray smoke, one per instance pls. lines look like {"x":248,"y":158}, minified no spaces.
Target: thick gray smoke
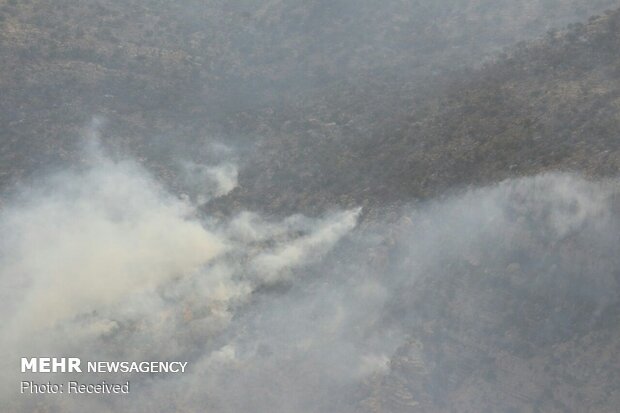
{"x":299,"y":315}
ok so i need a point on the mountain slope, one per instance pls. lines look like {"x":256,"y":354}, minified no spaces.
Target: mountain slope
{"x":545,"y":105}
{"x":166,"y":72}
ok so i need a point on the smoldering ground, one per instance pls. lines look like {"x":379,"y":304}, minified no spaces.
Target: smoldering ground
{"x":302,"y":314}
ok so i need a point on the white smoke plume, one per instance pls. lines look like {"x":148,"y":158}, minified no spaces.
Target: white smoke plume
{"x":208,"y":182}
{"x":105,"y":253}
{"x":103,"y":263}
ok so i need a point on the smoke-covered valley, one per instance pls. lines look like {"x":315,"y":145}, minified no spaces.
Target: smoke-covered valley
{"x":400,"y":206}
{"x":304,"y":314}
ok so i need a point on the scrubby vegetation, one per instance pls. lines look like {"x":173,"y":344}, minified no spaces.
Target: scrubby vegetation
{"x":336,"y":105}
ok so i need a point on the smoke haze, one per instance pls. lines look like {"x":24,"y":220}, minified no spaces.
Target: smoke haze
{"x":300,"y":314}
{"x":307,"y":201}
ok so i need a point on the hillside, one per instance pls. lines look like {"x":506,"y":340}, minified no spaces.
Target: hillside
{"x":478,"y":138}
{"x":161,"y":72}
{"x":544,"y":105}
